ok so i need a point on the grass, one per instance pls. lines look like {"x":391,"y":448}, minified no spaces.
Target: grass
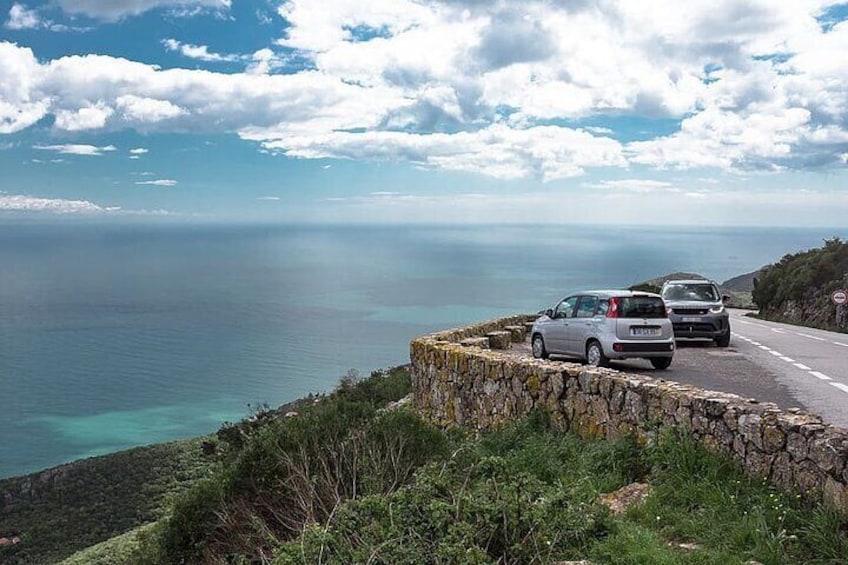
{"x":529,"y":494}
{"x":115,"y":550}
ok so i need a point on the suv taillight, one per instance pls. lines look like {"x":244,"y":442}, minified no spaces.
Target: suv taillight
{"x":667,"y":309}
{"x":612,"y":311}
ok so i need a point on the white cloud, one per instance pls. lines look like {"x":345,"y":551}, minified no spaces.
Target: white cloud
{"x":725,"y":207}
{"x":199,"y":52}
{"x":139,"y":151}
{"x":77,"y":149}
{"x":545,"y":152}
{"x":457,"y":85}
{"x":22,"y":18}
{"x":20,"y":104}
{"x":260,"y":62}
{"x":23,"y":203}
{"x":263,"y":62}
{"x":268,"y":198}
{"x":158,"y":182}
{"x":143,"y":110}
{"x":113,"y":10}
{"x":632,"y":185}
{"x":90,"y":117}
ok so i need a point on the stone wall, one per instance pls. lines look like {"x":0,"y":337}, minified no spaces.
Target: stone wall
{"x":461,"y":378}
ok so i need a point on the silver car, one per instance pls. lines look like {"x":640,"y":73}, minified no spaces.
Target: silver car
{"x":601,"y":325}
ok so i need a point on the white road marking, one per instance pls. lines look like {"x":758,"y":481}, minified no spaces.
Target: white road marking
{"x":819,"y":375}
{"x":810,"y":336}
{"x":747,"y":323}
{"x":840,"y":386}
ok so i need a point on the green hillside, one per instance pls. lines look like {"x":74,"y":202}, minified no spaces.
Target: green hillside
{"x":61,"y":510}
{"x":797,"y":288}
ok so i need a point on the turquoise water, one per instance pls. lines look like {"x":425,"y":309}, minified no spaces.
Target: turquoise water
{"x":116,"y":336}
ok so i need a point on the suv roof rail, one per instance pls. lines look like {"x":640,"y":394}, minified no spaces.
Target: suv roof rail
{"x":669,"y":281}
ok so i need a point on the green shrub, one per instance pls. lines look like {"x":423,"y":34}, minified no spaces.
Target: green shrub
{"x":529,"y":494}
{"x":291,"y":472}
{"x":523,"y":494}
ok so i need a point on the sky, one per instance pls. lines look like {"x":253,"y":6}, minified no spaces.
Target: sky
{"x":705,"y":112}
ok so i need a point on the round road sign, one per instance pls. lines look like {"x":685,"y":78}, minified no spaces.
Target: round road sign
{"x":839,"y":296}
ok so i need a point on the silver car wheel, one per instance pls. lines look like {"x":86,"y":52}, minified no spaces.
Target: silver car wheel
{"x":594,"y":354}
{"x":538,"y":347}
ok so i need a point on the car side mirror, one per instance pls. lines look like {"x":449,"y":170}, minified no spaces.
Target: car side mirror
{"x":725,"y":298}
{"x":549,"y":313}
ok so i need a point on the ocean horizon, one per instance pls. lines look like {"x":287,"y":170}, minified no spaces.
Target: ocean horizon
{"x":119,"y":335}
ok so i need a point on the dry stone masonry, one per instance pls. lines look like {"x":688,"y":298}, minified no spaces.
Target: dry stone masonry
{"x":465,"y":377}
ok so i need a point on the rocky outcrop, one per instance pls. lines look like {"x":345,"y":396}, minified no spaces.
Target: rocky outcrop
{"x":481,"y":388}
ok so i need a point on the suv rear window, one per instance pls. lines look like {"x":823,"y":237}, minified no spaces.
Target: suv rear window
{"x":642,"y":307}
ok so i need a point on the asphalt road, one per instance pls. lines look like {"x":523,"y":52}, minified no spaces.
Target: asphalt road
{"x":709,"y":367}
{"x":811,"y":364}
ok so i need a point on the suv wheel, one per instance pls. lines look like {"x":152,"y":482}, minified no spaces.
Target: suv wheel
{"x":660,"y":362}
{"x":595,"y":355}
{"x":539,"y":351}
{"x":723,"y":341}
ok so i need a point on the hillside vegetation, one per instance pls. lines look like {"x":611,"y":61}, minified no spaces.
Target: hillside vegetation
{"x":61,"y":510}
{"x":348,"y":480}
{"x":797,"y":288}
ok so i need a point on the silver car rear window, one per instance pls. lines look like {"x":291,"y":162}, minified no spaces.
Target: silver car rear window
{"x":642,"y":307}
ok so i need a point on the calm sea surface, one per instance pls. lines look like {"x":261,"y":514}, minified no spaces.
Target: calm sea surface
{"x":112,"y":336}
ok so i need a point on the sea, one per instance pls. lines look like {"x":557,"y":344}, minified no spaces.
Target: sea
{"x":114,"y":336}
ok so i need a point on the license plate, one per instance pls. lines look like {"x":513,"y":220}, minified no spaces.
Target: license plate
{"x":691,"y":319}
{"x":642,"y":332}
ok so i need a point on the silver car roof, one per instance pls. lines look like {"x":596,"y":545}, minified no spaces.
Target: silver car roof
{"x":611,"y":293}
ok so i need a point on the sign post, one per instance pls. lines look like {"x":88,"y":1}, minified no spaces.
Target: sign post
{"x":840,"y":298}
